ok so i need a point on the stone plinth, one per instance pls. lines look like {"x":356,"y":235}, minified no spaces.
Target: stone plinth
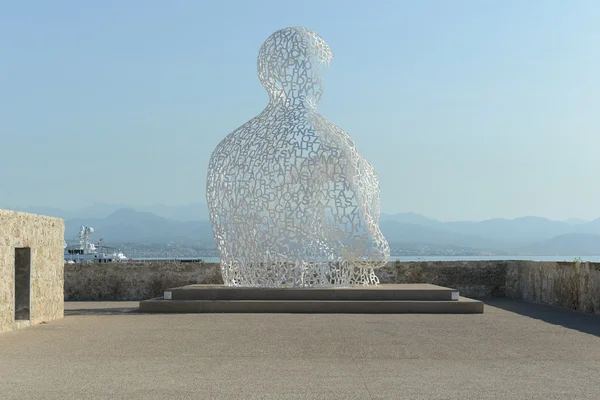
{"x":360,"y":299}
{"x":31,"y":269}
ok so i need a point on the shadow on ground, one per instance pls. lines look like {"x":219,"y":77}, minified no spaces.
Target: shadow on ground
{"x":102,"y":311}
{"x":586,"y":323}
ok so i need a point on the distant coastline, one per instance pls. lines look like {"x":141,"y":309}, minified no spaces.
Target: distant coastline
{"x":417,"y":258}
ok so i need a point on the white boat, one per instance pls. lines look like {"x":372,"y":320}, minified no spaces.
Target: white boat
{"x":83,"y":250}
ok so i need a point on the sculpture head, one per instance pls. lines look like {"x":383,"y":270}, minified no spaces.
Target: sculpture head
{"x":290,"y":62}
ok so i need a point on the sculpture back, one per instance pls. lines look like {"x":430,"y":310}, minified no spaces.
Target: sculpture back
{"x":291,"y":201}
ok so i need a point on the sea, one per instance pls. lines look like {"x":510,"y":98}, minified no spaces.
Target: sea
{"x":422,"y":258}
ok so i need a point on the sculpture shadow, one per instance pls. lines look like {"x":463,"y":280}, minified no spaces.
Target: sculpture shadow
{"x":571,"y":319}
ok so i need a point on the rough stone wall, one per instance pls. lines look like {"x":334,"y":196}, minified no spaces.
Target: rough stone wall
{"x":134,"y":281}
{"x":574,"y":285}
{"x":471,"y":278}
{"x":139,"y":281}
{"x":570,"y":285}
{"x":45,"y":237}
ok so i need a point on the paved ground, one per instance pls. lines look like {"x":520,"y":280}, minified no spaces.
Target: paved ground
{"x":104,"y":351}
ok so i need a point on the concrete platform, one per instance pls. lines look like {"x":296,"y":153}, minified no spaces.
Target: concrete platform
{"x":384,"y":299}
{"x":415,"y":291}
{"x":461,"y":306}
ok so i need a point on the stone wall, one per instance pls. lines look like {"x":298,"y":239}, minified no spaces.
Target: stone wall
{"x":572,"y":285}
{"x":138,"y":281}
{"x":44,"y":237}
{"x":471,"y":278}
{"x":134,"y":281}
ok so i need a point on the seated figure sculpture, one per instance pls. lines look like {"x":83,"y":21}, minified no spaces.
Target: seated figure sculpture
{"x":291,"y":201}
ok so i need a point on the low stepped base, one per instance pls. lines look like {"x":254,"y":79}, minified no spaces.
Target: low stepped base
{"x":413,"y":291}
{"x":461,"y":306}
{"x":396,"y":298}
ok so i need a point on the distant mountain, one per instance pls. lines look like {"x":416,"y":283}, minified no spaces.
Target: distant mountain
{"x":575,"y":221}
{"x":188,"y":212}
{"x":519,"y":230}
{"x":589,"y":227}
{"x":189,"y":223}
{"x":99,"y":210}
{"x":411,"y":218}
{"x":525,"y":229}
{"x":405,"y":233}
{"x":126,"y":225}
{"x":575,"y":244}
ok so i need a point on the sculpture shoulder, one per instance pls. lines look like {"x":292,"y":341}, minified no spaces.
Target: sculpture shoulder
{"x":237,"y":136}
{"x":237,"y":139}
{"x":336,"y":137}
{"x":330,"y":132}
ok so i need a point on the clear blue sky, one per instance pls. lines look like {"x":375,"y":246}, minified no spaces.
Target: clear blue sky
{"x":468,"y":109}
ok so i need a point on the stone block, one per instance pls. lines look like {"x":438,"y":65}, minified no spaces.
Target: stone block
{"x":32,"y":262}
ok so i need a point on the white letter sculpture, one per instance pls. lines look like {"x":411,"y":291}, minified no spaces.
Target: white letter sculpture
{"x":291,"y":201}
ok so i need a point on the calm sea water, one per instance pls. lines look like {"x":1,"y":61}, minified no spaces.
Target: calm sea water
{"x":436,"y":258}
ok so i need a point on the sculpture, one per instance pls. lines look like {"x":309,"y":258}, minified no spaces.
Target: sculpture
{"x":291,"y":201}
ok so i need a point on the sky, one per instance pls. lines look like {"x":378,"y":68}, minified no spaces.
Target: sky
{"x":467,"y":109}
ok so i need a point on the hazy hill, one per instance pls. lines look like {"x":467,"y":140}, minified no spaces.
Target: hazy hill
{"x":187,"y":212}
{"x":189,"y":223}
{"x":576,"y":244}
{"x":399,"y":232}
{"x":589,"y":227}
{"x":127,"y":225}
{"x":575,"y":221}
{"x":411,"y":218}
{"x":525,"y":229}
